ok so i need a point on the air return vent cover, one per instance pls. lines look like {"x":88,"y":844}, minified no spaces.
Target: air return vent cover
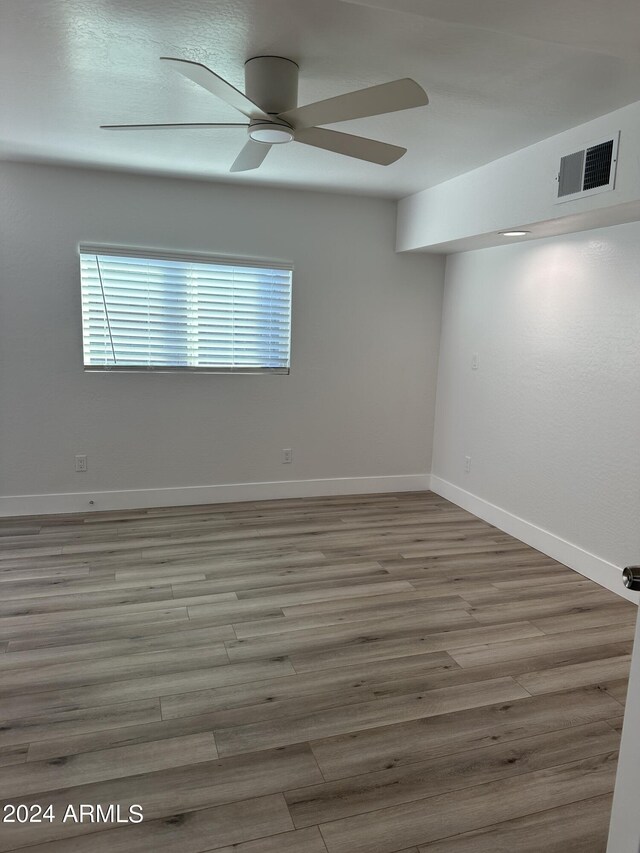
{"x":588,"y":171}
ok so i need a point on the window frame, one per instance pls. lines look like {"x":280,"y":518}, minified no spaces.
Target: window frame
{"x":153,"y":254}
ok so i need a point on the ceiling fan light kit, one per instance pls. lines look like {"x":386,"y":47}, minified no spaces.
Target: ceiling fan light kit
{"x":272,"y":133}
{"x":270,"y":102}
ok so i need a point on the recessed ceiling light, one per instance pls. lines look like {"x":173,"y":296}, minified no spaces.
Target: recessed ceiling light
{"x":514,"y":233}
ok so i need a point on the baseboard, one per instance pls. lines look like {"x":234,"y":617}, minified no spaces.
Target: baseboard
{"x":587,"y":564}
{"x":14,"y":505}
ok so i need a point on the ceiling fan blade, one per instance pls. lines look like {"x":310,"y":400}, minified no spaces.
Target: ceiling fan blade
{"x":376,"y":100}
{"x":166,"y":126}
{"x":251,"y":156}
{"x":353,"y":146}
{"x":205,"y":77}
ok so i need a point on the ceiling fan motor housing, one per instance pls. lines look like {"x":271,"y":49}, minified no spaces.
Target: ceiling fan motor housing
{"x":271,"y":82}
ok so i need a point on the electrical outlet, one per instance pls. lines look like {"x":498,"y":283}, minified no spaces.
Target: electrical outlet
{"x":287,"y":456}
{"x":475,"y":361}
{"x":467,"y":464}
{"x":81,"y":463}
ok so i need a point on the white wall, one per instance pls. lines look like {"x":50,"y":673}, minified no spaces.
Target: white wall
{"x":359,"y":402}
{"x":624,"y":830}
{"x":550,"y":419}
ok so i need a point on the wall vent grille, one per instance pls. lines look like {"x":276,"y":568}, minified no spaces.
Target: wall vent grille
{"x":597,"y":165}
{"x":588,"y":171}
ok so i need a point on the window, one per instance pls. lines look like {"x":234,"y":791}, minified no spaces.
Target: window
{"x":155,"y":311}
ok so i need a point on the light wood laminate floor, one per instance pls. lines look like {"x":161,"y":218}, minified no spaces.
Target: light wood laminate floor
{"x":368,"y":674}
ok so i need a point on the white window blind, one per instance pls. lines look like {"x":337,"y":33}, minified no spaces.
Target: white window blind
{"x":149,"y":311}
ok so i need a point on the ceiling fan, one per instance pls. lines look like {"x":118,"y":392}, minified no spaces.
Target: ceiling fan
{"x":270,"y":104}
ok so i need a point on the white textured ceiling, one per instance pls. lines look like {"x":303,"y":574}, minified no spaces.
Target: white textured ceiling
{"x":501,"y":74}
